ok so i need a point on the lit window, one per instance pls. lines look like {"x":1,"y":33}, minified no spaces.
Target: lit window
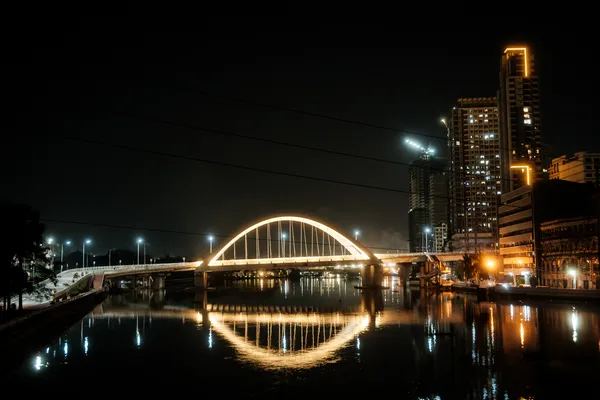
{"x":527,"y":115}
{"x":458,"y":143}
{"x":525,"y":109}
{"x":527,"y":121}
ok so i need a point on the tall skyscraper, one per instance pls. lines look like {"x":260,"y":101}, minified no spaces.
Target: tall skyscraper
{"x":428,"y":199}
{"x":475,"y":173}
{"x":519,"y":97}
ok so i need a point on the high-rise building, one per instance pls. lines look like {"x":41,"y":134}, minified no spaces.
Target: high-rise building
{"x":475,"y":173}
{"x":519,"y":101}
{"x":427,"y":202}
{"x":582,"y":167}
{"x":440,"y":234}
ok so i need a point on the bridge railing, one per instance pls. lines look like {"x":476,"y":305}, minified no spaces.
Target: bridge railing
{"x":134,"y":267}
{"x":288,"y":260}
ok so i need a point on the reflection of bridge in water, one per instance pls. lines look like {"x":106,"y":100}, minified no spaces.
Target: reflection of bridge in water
{"x":284,"y":336}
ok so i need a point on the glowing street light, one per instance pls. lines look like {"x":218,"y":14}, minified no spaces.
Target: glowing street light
{"x":573,"y":273}
{"x":50,"y":242}
{"x":356,"y":233}
{"x":139,"y":241}
{"x":67,"y":243}
{"x":210,"y":240}
{"x":86,"y":241}
{"x":427,"y":231}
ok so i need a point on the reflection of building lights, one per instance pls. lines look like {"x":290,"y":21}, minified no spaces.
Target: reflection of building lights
{"x":66,"y":349}
{"x":138,"y":338}
{"x":358,"y":343}
{"x":85,"y":345}
{"x":512,"y":312}
{"x":522,"y":333}
{"x":284,"y":344}
{"x":210,"y":338}
{"x":430,"y":344}
{"x":574,"y":324}
{"x":47,"y":350}
{"x":37,"y":363}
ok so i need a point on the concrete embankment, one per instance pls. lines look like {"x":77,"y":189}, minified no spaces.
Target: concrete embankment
{"x":26,"y":334}
{"x":518,"y":293}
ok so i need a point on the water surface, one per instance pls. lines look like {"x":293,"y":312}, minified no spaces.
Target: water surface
{"x":324,"y":339}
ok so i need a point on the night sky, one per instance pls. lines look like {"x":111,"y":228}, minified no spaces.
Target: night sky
{"x":94,"y":81}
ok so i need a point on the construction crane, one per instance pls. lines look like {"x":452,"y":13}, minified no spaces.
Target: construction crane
{"x":426,"y":152}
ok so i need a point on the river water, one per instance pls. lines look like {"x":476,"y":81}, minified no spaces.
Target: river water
{"x":321,"y":338}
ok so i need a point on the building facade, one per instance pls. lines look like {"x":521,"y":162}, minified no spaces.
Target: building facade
{"x":582,"y":167}
{"x":427,"y":202}
{"x":570,"y":253}
{"x":516,"y":233}
{"x":440,"y":234}
{"x":475,"y":173}
{"x":522,"y":215}
{"x":519,"y":101}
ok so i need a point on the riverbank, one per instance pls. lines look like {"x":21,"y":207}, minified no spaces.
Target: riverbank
{"x":518,"y":293}
{"x":23,"y":335}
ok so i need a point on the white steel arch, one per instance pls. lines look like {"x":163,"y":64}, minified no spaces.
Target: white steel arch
{"x":356,"y":252}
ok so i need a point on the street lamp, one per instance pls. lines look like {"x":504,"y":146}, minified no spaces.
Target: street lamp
{"x":86,"y":241}
{"x":210,"y":240}
{"x":427,"y":230}
{"x":50,"y":242}
{"x":139,"y":241}
{"x":490,"y":264}
{"x":573,"y":273}
{"x":68,"y":243}
{"x":356,"y":233}
{"x":283,"y":236}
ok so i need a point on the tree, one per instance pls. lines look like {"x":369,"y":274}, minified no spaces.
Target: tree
{"x":470,"y":266}
{"x":23,"y":257}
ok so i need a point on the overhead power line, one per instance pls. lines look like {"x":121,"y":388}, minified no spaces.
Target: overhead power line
{"x":239,"y":166}
{"x":308,"y":113}
{"x":282,"y":143}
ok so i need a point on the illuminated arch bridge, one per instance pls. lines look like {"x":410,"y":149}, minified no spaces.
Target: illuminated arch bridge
{"x":288,"y":240}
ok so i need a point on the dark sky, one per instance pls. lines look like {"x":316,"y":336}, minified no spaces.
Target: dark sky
{"x":80,"y":82}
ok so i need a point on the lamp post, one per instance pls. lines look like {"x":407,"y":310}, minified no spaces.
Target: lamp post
{"x":50,"y":245}
{"x":145,"y":252}
{"x":210,"y":240}
{"x":427,"y":231}
{"x":139,"y":241}
{"x":109,"y":255}
{"x":67,"y":243}
{"x":356,"y":233}
{"x":573,"y":273}
{"x":86,"y":241}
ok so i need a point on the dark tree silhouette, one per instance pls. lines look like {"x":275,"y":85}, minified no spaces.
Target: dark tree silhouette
{"x":24,"y":260}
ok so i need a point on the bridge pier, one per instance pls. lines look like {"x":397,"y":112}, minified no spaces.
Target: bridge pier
{"x":372,"y":275}
{"x":158,"y":282}
{"x":201,"y":279}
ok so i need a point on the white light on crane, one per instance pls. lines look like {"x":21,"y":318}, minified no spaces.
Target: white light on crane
{"x":418,"y":146}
